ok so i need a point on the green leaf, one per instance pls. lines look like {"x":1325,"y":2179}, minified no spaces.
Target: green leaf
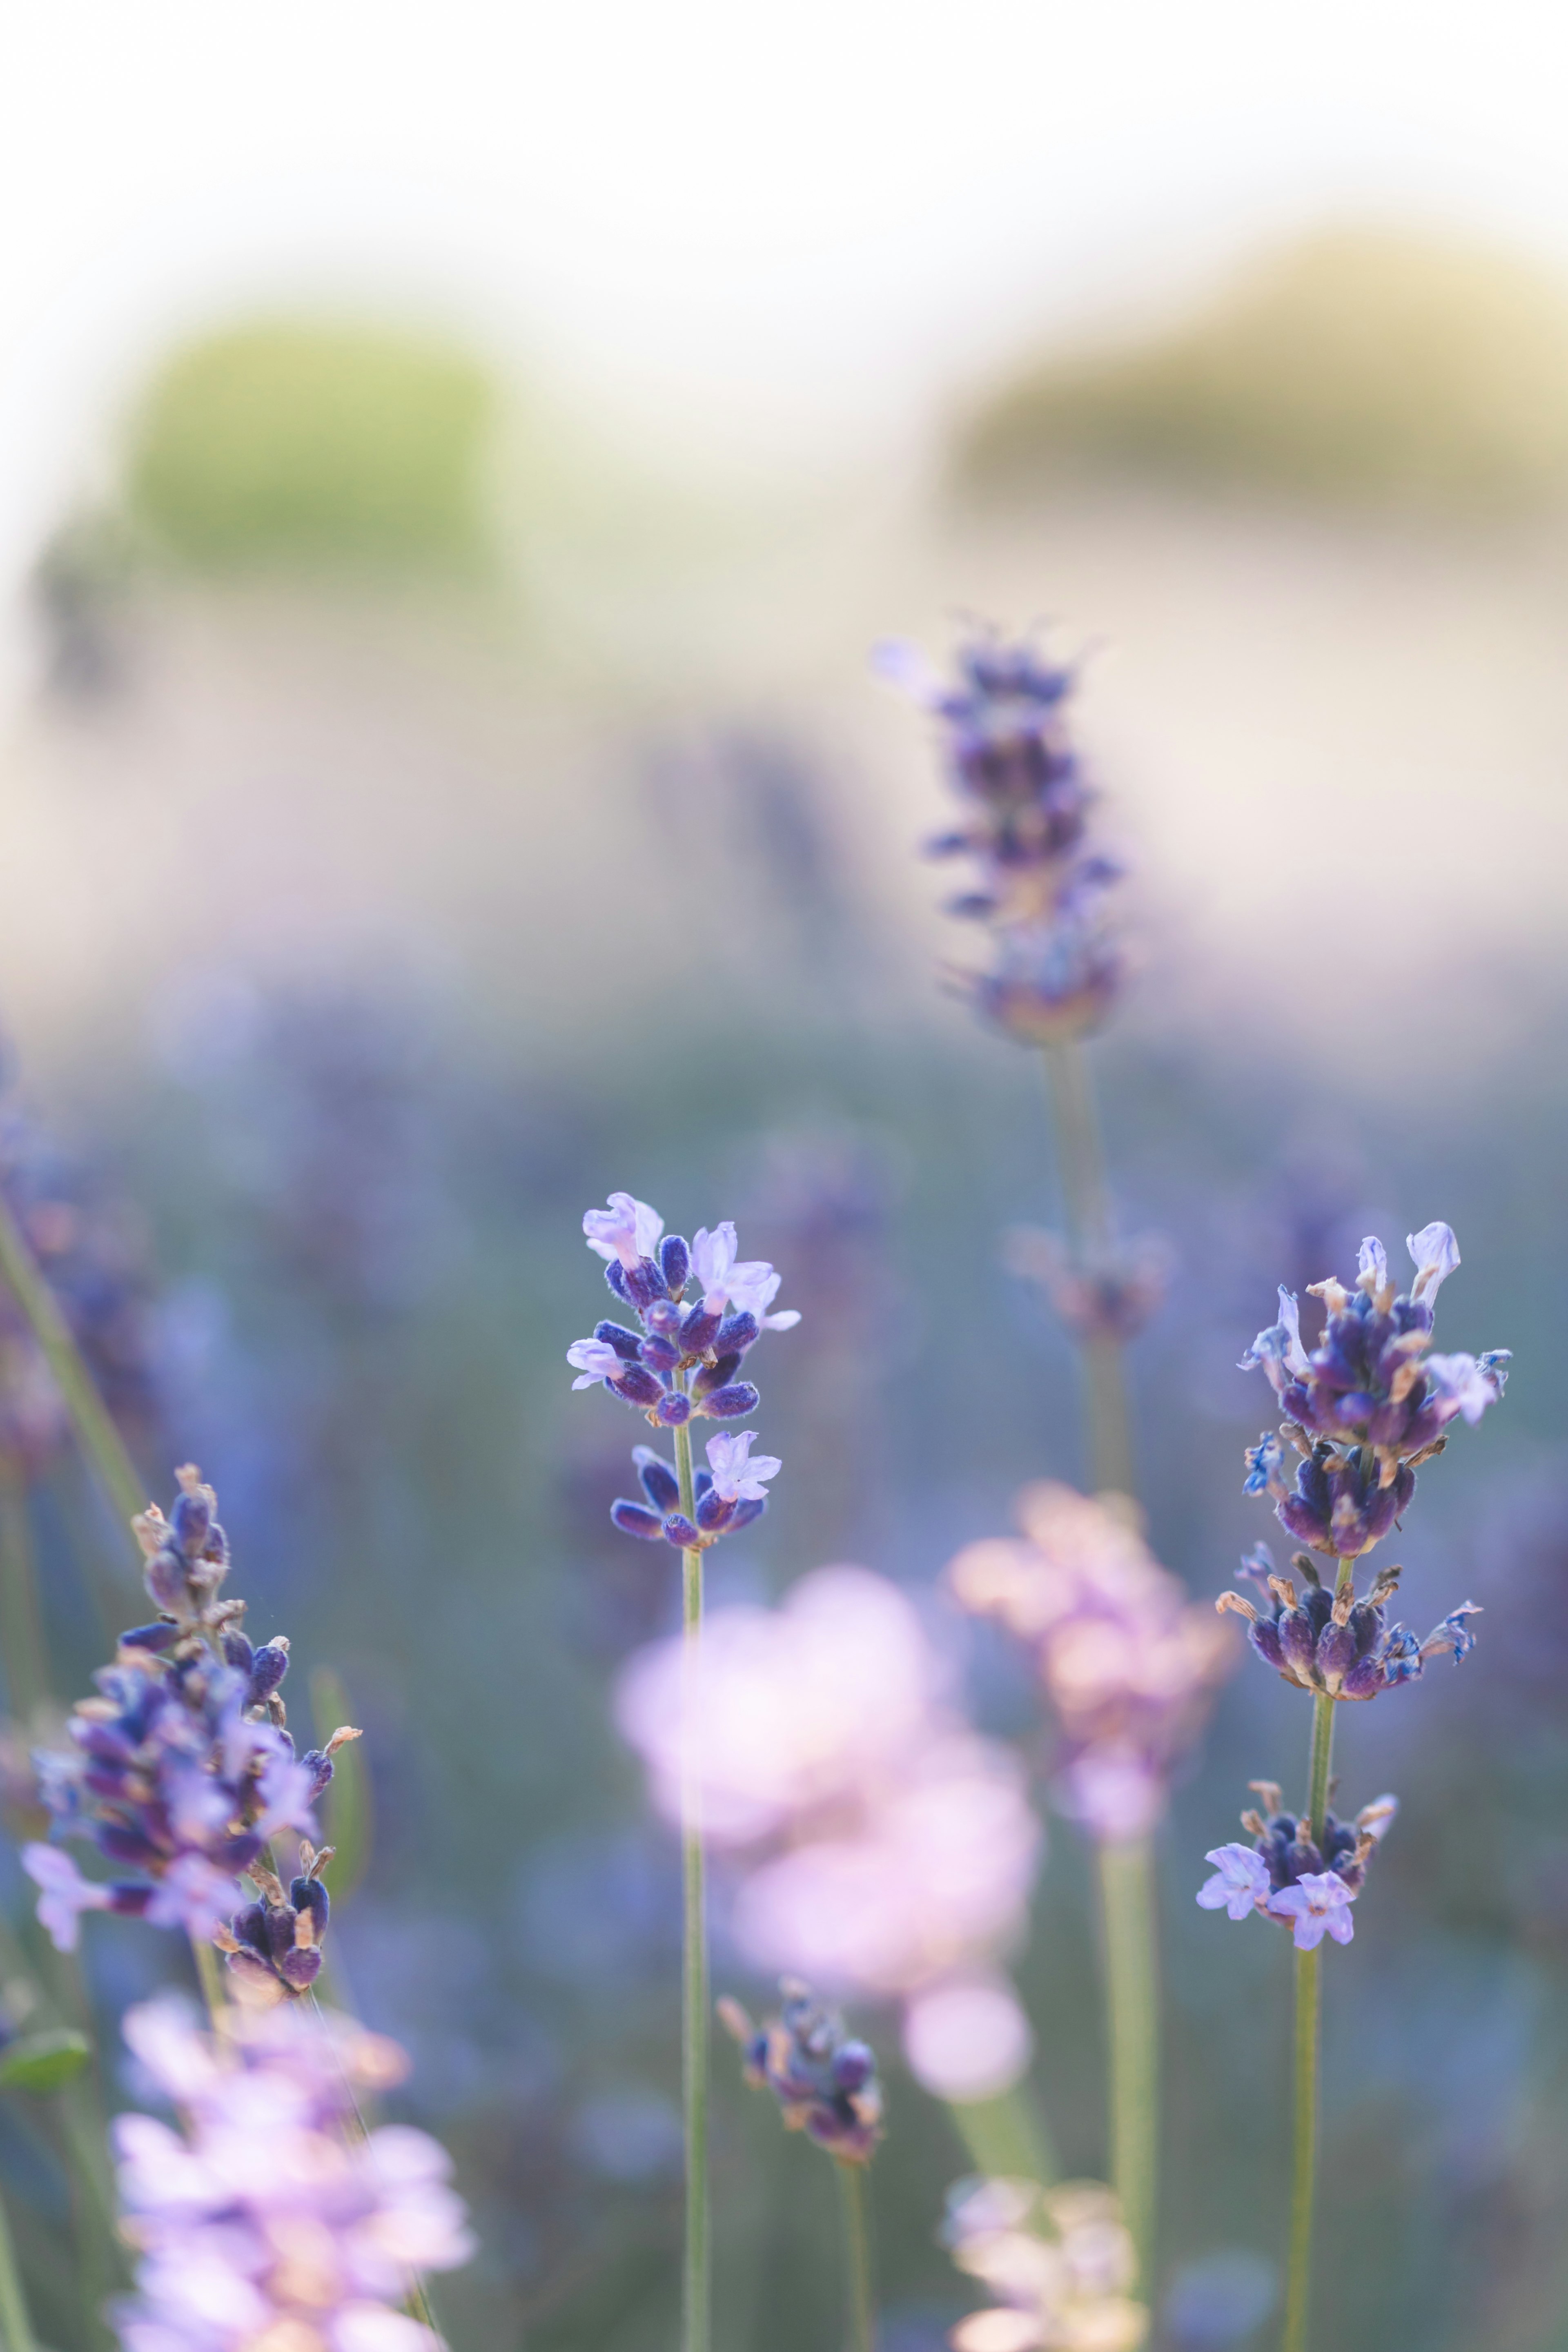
{"x":43,"y":2062}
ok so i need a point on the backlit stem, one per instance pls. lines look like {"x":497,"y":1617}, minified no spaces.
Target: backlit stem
{"x":1308,"y":2002}
{"x":695,"y":2273}
{"x":862,"y":2307}
{"x":1127,"y":1899}
{"x":15,"y":2326}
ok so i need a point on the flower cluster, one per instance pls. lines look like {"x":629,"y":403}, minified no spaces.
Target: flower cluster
{"x":1129,"y":1663}
{"x":872,"y":1844}
{"x":825,"y":2082}
{"x":684,"y":1364}
{"x":1059,"y":2259}
{"x":1059,"y":969}
{"x":1108,"y":1291}
{"x":260,"y":2222}
{"x":1305,"y":1881}
{"x":1369,"y":1405}
{"x":181,"y":1766}
{"x":1333,"y":1641}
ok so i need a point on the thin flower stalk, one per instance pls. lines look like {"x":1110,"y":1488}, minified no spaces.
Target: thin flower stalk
{"x":15,"y":2323}
{"x":1056,"y":972}
{"x":99,"y":1438}
{"x":857,"y":2256}
{"x":1364,"y":1410}
{"x":683,"y":1364}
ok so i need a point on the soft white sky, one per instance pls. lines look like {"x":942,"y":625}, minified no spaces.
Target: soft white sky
{"x":778,"y":223}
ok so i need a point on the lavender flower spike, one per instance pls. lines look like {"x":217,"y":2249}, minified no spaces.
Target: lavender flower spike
{"x":825,"y":2083}
{"x":1240,"y":1884}
{"x":1317,"y":1904}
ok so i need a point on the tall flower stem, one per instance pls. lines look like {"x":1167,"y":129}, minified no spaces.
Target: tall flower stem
{"x":15,"y":2326}
{"x":21,"y":1629}
{"x":1308,"y":2002}
{"x":1005,"y":2135}
{"x":209,"y":1976}
{"x":1132,"y":1989}
{"x":862,"y":2305}
{"x":1126,"y":1869}
{"x":696,"y":2274}
{"x":1081,"y":1157}
{"x":99,"y":1438}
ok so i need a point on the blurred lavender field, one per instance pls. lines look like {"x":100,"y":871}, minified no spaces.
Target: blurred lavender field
{"x":385,"y":884}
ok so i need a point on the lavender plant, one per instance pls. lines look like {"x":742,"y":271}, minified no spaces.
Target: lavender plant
{"x":265,"y":2218}
{"x":1363,"y":1411}
{"x":1061,"y":2261}
{"x":1056,"y":973}
{"x":826,"y":2084}
{"x":684,"y":1364}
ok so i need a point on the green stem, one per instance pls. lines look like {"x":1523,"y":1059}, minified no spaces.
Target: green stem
{"x":15,"y":2326}
{"x":1006,"y":2136}
{"x":209,"y":1976}
{"x":862,"y":2307}
{"x":99,"y":1438}
{"x":1133,"y":2024}
{"x":21,"y":1629}
{"x":696,"y":2276}
{"x":1081,"y":1157}
{"x":1309,"y":2005}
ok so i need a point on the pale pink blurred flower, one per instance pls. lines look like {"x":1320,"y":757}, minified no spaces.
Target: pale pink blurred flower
{"x":1130,"y":1663}
{"x":1059,"y":2261}
{"x":879,"y":1846}
{"x":968,"y":2039}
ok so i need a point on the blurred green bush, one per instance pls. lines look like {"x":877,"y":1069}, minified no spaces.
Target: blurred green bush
{"x":315,"y":445}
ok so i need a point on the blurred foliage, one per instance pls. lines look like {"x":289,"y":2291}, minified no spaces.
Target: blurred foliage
{"x":318,"y":446}
{"x":44,"y":2062}
{"x":1360,"y":365}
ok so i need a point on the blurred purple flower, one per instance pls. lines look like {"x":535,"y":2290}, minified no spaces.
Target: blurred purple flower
{"x":825,"y":2081}
{"x":1129,"y":1664}
{"x":259,"y":2220}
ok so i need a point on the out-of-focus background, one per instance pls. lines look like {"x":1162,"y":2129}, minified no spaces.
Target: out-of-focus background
{"x":452,"y":464}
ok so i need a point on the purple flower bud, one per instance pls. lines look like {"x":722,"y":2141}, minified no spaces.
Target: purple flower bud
{"x":736,"y":1333}
{"x":633,"y":1519}
{"x":617,"y":1279}
{"x":301,"y":1968}
{"x":249,"y":1927}
{"x":731,"y":1404}
{"x":713,"y":1513}
{"x":319,"y":1764}
{"x":674,"y":1409}
{"x":644,"y":1283}
{"x":659,"y":1355}
{"x":1297,"y":1643}
{"x":280,"y":1931}
{"x":237,"y":1648}
{"x":664,"y":1316}
{"x":1264,"y":1638}
{"x":715,"y":1375}
{"x":698,"y":1330}
{"x":675,"y":1263}
{"x":627,"y":1344}
{"x":164,"y":1576}
{"x":658,"y":1481}
{"x":679,"y":1531}
{"x":270,"y":1665}
{"x":637,"y":1385}
{"x":309,"y":1895}
{"x":190,"y":1522}
{"x":853,"y":2065}
{"x":1362,"y":1680}
{"x":1336,"y":1653}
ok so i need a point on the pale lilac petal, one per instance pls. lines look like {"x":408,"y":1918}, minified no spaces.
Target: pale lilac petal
{"x":1435,"y":1254}
{"x":65,"y":1894}
{"x":1373,"y":1260}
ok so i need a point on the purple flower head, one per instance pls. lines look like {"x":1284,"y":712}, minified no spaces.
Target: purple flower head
{"x":1107,"y":1291}
{"x":1317,"y":1905}
{"x":685,"y":1363}
{"x":1368,"y":1405}
{"x":181,"y":1765}
{"x":259,"y":2220}
{"x":1008,"y":755}
{"x":274,"y":1946}
{"x":1338,"y":1641}
{"x":1129,"y":1660}
{"x":1241,"y":1884}
{"x":825,"y":2082}
{"x":1291,"y":1873}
